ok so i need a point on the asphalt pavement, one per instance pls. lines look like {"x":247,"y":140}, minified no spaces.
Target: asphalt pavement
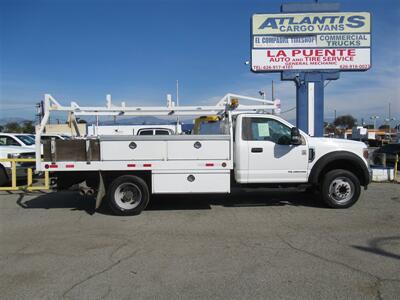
{"x":249,"y":245}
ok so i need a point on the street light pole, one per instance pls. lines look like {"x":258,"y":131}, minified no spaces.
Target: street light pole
{"x":272,"y":91}
{"x":374,"y":119}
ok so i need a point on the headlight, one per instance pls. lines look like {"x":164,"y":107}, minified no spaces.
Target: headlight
{"x":13,"y":155}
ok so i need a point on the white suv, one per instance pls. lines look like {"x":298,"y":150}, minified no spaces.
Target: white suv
{"x":17,"y":140}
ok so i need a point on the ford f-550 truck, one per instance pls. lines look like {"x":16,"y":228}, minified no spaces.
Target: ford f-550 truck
{"x":253,"y":148}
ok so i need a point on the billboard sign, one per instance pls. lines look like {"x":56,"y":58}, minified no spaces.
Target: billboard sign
{"x":311,"y":41}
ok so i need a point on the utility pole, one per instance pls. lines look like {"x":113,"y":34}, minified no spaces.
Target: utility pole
{"x":177,"y":92}
{"x":272,"y":91}
{"x":374,"y":118}
{"x":97,"y":125}
{"x":39,"y":112}
{"x":177,"y":102}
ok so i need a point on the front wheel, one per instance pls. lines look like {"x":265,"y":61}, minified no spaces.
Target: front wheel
{"x":340,"y":189}
{"x":128,"y":195}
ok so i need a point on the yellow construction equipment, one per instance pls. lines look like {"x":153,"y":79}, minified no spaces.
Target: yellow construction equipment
{"x":204,"y":119}
{"x":29,"y":186}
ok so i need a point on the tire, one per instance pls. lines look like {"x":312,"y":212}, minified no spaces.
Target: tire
{"x":3,"y":176}
{"x":340,"y":189}
{"x":128,"y":195}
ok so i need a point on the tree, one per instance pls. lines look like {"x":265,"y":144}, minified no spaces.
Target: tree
{"x":346,"y":121}
{"x":12,"y":127}
{"x":28,"y":127}
{"x":1,"y":128}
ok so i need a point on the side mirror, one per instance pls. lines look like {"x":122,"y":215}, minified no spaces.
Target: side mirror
{"x":295,"y":136}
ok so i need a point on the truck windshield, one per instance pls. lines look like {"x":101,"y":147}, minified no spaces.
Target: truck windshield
{"x":26,"y":139}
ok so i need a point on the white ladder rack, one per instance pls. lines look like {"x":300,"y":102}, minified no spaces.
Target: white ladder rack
{"x":223,"y":106}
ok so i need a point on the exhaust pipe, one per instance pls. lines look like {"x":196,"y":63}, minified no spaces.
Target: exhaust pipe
{"x":86,"y":191}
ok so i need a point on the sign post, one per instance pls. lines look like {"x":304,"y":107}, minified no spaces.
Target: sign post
{"x":310,"y":43}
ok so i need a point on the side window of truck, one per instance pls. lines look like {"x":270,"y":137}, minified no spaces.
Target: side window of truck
{"x":146,"y":132}
{"x":264,"y":129}
{"x":162,"y":132}
{"x":154,"y":132}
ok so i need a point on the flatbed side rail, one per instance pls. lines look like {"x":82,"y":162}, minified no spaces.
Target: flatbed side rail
{"x":29,"y":186}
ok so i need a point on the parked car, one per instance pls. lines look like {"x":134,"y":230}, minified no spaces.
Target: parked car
{"x":49,"y":136}
{"x":387,"y":152}
{"x":154,"y":131}
{"x":166,"y":129}
{"x":15,"y":152}
{"x":17,"y":139}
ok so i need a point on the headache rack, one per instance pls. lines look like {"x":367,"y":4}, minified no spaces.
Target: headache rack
{"x":226,"y":107}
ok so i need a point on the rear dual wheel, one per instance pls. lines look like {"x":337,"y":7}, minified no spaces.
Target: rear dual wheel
{"x":128,"y":195}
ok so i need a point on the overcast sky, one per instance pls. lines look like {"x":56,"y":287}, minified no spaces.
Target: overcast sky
{"x":135,"y":50}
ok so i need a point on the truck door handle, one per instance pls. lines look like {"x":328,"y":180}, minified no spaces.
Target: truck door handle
{"x":256,"y":150}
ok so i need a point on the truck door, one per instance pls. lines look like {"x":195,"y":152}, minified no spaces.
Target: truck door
{"x":271,"y":156}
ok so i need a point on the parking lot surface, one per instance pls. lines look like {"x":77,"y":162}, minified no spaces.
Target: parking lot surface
{"x":249,"y":245}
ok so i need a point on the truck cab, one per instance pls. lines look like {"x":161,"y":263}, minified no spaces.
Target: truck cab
{"x":270,"y":150}
{"x":265,"y":152}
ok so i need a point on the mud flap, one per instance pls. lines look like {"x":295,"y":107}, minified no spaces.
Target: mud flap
{"x":101,"y":191}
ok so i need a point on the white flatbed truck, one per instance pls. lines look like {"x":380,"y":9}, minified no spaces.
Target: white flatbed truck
{"x":254,"y":149}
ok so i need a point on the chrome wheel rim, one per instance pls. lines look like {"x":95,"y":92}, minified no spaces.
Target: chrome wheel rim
{"x":128,"y":195}
{"x":341,"y":190}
